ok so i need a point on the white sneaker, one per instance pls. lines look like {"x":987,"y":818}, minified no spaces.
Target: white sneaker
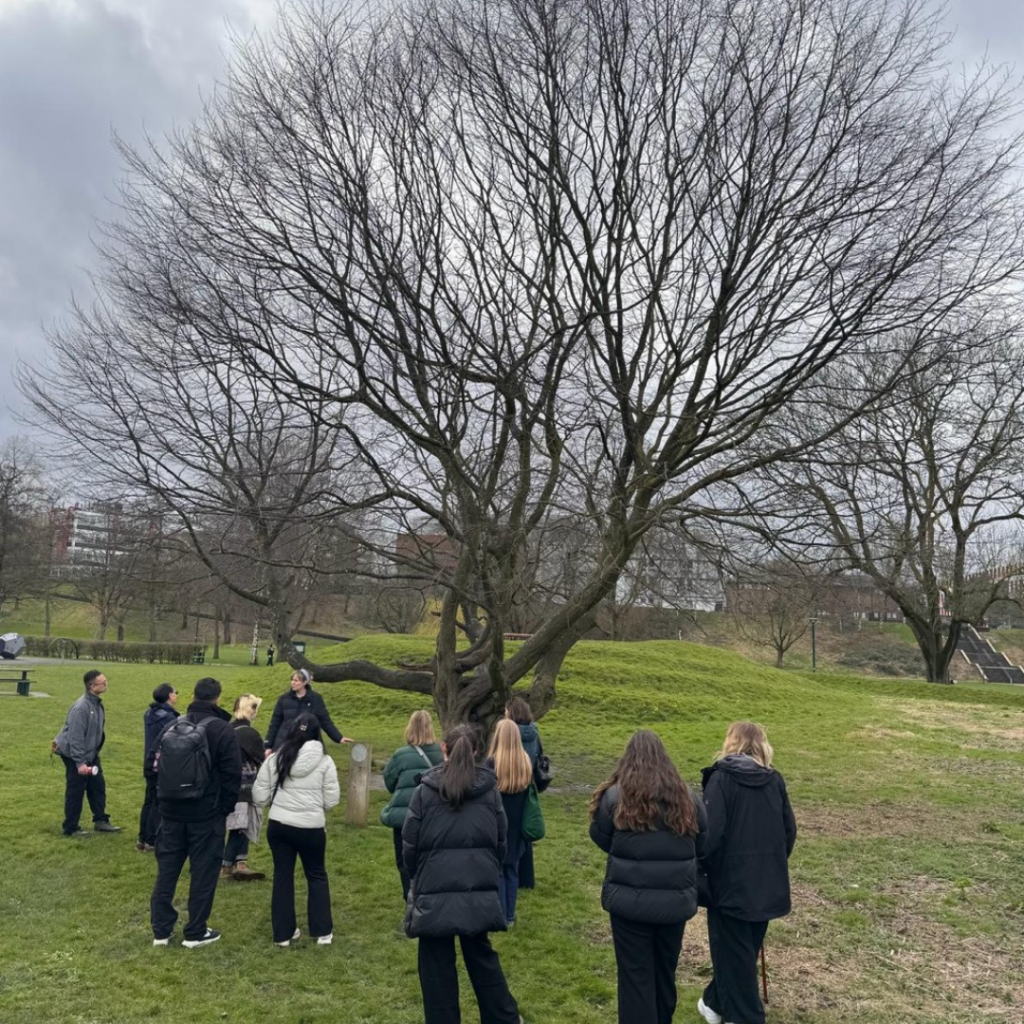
{"x":325,"y":940}
{"x":288,"y":942}
{"x":162,"y":942}
{"x":707,"y":1013}
{"x":212,"y":935}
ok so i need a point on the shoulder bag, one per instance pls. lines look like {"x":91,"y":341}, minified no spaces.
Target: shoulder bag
{"x":533,"y":817}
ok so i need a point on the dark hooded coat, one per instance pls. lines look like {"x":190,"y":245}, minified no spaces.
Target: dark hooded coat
{"x":751,"y":833}
{"x":454,"y":857}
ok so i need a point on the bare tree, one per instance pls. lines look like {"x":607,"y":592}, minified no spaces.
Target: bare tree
{"x":109,"y":568}
{"x":925,"y":492}
{"x":537,"y":262}
{"x":22,"y":502}
{"x":399,"y":609}
{"x":772,"y":604}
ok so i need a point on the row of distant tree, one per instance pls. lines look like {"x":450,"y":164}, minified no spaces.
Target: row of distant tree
{"x":559,"y":279}
{"x":130,"y":557}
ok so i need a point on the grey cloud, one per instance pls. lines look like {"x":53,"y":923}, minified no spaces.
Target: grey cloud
{"x":72,"y":71}
{"x":68,"y":77}
{"x":995,"y":27}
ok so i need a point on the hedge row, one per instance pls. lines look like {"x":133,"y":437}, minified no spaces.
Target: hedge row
{"x":111,"y":650}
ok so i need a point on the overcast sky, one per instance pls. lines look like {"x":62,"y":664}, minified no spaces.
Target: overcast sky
{"x":71,"y":71}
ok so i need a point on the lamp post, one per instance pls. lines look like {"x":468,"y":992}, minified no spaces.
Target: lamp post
{"x":814,"y":645}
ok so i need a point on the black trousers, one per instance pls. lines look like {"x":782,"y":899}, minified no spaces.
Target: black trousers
{"x":526,"y":875}
{"x":400,"y":864}
{"x":201,"y":843}
{"x":439,"y":981}
{"x":733,"y":991}
{"x":149,"y":816}
{"x":310,"y":845}
{"x":76,"y":789}
{"x":646,"y":956}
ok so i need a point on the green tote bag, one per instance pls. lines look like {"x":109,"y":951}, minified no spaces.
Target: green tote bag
{"x":533,"y":817}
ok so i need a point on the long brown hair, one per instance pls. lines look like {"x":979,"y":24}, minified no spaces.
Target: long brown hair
{"x":512,"y":764}
{"x":458,"y":773}
{"x":650,"y":789}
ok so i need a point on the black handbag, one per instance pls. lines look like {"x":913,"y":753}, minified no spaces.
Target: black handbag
{"x":542,"y":772}
{"x":249,"y":773}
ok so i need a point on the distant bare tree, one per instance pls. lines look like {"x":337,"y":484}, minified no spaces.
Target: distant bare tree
{"x":109,"y":573}
{"x":530,"y":263}
{"x":772,"y":604}
{"x":23,"y":502}
{"x":924,"y":493}
{"x":399,"y":609}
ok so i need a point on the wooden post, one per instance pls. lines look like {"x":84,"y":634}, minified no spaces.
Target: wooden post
{"x":358,"y":785}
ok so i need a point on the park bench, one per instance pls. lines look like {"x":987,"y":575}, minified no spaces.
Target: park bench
{"x":19,"y":676}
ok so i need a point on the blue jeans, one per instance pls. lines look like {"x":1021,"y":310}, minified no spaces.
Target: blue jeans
{"x":508,"y":890}
{"x":236,"y":848}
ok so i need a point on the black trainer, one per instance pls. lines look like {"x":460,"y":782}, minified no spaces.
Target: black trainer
{"x":212,"y":935}
{"x":105,"y":826}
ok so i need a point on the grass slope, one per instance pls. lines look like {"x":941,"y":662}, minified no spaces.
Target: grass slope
{"x":909,"y":905}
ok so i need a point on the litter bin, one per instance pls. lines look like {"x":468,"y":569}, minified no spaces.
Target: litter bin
{"x":300,"y":646}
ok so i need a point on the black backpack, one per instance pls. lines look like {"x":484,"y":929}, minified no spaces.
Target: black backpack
{"x":182,"y":760}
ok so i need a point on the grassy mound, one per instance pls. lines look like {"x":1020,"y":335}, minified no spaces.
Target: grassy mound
{"x":908,"y":904}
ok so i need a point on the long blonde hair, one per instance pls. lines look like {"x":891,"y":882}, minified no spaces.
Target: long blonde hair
{"x":420,"y":729}
{"x":512,"y":764}
{"x":747,"y":738}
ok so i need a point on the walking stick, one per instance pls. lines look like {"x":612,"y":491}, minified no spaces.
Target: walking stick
{"x":764,"y":977}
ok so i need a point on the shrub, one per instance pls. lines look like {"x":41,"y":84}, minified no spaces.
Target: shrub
{"x":164,"y":652}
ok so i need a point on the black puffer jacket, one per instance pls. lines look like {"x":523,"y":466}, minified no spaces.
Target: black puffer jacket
{"x":289,"y":706}
{"x":454,"y":858}
{"x":250,"y":745}
{"x":751,"y":832}
{"x":651,"y":877}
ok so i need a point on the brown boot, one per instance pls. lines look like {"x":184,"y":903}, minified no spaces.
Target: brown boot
{"x":245,"y":874}
{"x":226,"y":872}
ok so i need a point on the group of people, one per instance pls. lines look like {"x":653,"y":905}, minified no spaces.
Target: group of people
{"x":207,"y":782}
{"x":459,"y":812}
{"x":669,"y":851}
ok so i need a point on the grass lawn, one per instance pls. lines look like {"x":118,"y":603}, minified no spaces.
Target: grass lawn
{"x":908,"y":893}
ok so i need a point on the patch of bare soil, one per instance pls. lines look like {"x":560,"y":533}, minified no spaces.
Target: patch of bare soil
{"x":981,"y":971}
{"x":878,"y":732}
{"x":984,"y":727}
{"x":805,"y":977}
{"x":890,"y":821}
{"x":927,"y":972}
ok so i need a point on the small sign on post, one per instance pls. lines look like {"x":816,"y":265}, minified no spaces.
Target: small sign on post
{"x":358,"y":785}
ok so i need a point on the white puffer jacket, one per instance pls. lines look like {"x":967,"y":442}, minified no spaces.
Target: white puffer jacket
{"x":310,"y":789}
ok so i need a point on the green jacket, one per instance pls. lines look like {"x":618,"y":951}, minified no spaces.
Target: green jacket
{"x":402,"y":776}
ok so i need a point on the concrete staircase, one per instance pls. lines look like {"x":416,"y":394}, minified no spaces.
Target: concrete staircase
{"x":993,"y":666}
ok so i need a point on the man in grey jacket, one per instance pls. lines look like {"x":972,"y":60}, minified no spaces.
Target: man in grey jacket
{"x":79,"y":744}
